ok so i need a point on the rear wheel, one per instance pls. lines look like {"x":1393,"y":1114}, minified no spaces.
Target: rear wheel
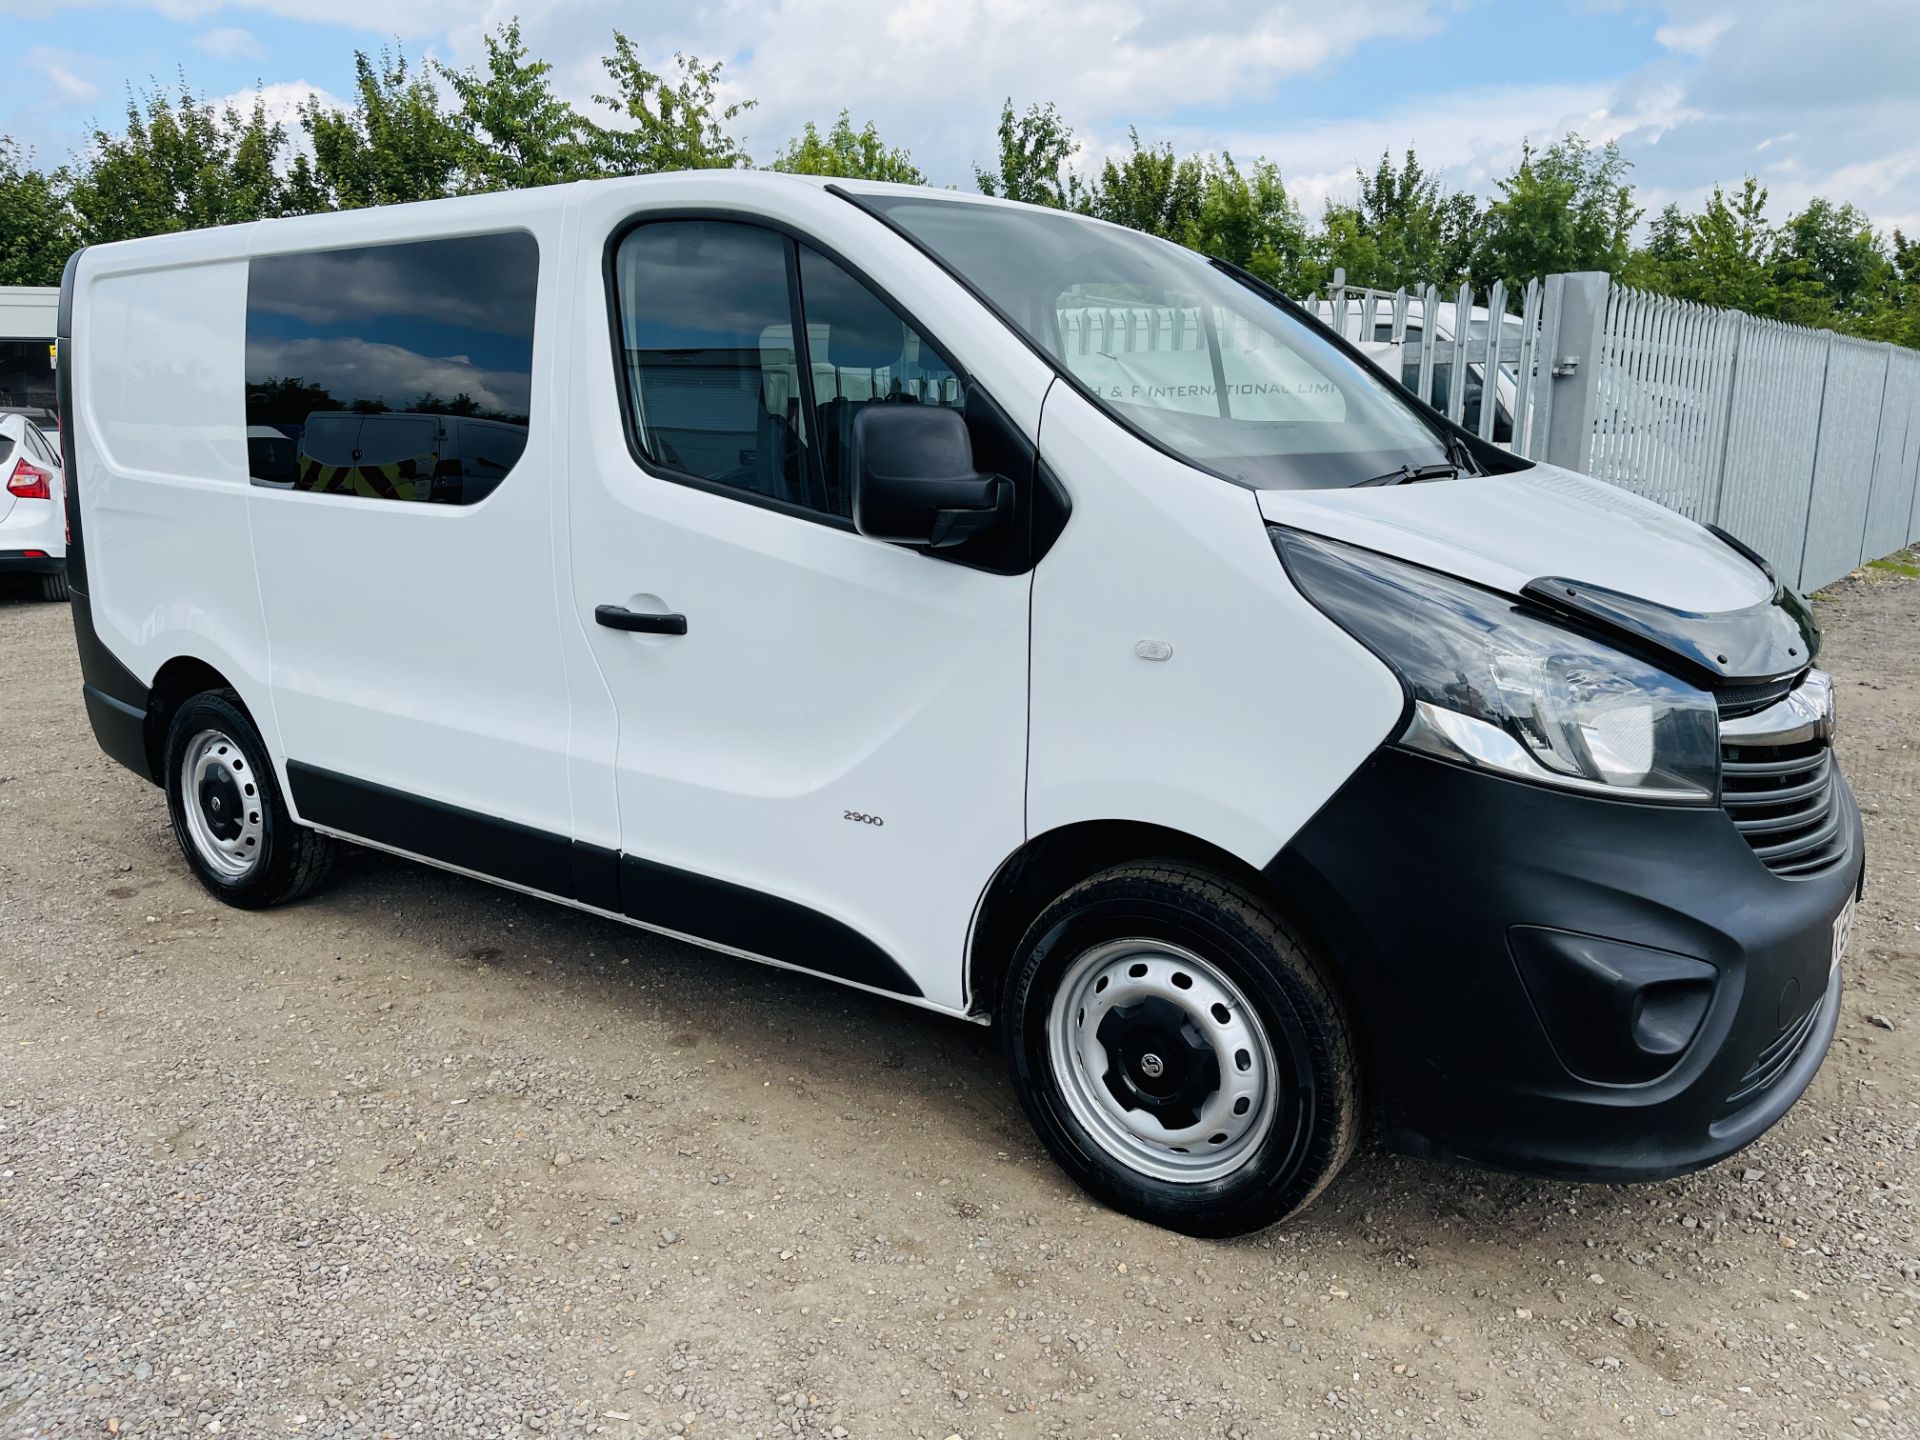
{"x":1181,"y":1051}
{"x":228,"y":814}
{"x":53,"y":587}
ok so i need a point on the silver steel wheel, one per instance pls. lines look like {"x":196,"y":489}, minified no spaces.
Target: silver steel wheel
{"x":221,"y":800}
{"x":1162,"y":1060}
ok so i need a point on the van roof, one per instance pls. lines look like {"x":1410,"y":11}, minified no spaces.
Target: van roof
{"x":504,"y":206}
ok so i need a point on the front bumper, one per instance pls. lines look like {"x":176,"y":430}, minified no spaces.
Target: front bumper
{"x":1433,"y":885}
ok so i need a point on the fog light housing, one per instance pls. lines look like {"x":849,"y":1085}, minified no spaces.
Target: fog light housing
{"x":1616,"y":1014}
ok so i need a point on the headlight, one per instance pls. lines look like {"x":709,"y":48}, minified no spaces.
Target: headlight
{"x":1498,"y":686}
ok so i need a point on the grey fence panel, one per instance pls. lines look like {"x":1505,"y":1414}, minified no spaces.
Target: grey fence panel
{"x":1667,"y":368}
{"x":1773,"y":429}
{"x":1803,"y":443}
{"x":1843,"y":464}
{"x":1453,"y":353}
{"x":1895,"y":469}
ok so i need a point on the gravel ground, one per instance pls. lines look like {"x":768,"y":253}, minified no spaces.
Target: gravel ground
{"x":422,"y":1157}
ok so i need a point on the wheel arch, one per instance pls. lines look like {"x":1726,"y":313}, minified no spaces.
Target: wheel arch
{"x":178,"y":681}
{"x":1050,"y":864}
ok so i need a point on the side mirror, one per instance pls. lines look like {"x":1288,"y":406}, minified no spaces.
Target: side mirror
{"x":914,"y":481}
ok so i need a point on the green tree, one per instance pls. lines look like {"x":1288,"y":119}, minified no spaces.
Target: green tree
{"x":675,"y":125}
{"x":1035,"y":151}
{"x":1404,"y":230}
{"x":844,"y":151}
{"x":1247,"y":219}
{"x":181,"y":164}
{"x":514,"y":132}
{"x":1152,"y":190}
{"x":1896,"y":314}
{"x":1569,"y":207}
{"x":1724,"y":255}
{"x":287,"y":400}
{"x":1834,"y":246}
{"x":36,"y":229}
{"x":391,"y":146}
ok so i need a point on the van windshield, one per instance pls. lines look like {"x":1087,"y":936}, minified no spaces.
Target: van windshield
{"x":1205,"y":367}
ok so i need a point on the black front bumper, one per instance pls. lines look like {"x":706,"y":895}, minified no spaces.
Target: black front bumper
{"x":17,"y":562}
{"x":1435,"y":887}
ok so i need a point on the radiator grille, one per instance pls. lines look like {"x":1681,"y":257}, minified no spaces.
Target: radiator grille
{"x":1783,"y":801}
{"x":1746,"y":699}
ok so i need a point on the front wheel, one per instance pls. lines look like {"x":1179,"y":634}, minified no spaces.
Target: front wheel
{"x":228,"y":814}
{"x":1181,"y":1051}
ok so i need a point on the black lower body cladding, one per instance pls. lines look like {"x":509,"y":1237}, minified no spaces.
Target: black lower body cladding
{"x":1529,"y":968}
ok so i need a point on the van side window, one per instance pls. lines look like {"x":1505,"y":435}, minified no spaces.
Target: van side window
{"x":706,"y":332}
{"x":861,"y":353}
{"x":717,"y":388}
{"x":392,"y":372}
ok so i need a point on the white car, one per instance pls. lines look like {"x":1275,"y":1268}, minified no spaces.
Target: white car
{"x":33,"y":527}
{"x":838,"y":575}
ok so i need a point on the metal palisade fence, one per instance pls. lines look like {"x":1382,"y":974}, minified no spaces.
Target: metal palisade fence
{"x":1803,"y":443}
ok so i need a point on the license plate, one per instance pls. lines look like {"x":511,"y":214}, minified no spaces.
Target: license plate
{"x":1842,"y":932}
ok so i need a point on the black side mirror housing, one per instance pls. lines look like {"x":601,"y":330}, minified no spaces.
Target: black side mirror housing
{"x":914,"y":481}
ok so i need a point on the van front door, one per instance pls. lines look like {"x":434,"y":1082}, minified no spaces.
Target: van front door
{"x":819,"y":740}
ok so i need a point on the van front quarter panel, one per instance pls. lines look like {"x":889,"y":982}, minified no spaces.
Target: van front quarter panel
{"x":1178,"y":677}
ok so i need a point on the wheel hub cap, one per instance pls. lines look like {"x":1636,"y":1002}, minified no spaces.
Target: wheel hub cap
{"x":1158,"y":1061}
{"x":221,"y":804}
{"x":1162,"y":1061}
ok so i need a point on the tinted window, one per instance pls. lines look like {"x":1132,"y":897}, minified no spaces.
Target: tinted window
{"x":861,"y":353}
{"x":489,"y":448}
{"x":367,"y":360}
{"x":706,"y":324}
{"x":26,"y":374}
{"x":717,"y":385}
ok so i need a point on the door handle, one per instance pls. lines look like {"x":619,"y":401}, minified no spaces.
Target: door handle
{"x":618,"y":617}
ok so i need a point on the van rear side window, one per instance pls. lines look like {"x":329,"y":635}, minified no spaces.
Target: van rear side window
{"x":394,"y":372}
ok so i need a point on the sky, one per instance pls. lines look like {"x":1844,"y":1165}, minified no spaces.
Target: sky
{"x":1812,"y":98}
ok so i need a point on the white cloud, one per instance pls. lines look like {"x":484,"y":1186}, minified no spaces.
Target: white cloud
{"x":371,"y":370}
{"x":1696,"y":39}
{"x":62,"y":72}
{"x":230,"y":42}
{"x":1812,"y":98}
{"x":283,"y":100}
{"x":933,"y":73}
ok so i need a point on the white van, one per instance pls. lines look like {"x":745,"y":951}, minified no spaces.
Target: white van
{"x":1264,"y":754}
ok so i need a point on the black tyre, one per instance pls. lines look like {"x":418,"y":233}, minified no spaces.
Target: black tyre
{"x":53,"y":587}
{"x":228,"y":813}
{"x":1181,"y":1051}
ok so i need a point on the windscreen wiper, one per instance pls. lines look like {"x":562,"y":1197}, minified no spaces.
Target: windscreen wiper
{"x":1414,"y":474}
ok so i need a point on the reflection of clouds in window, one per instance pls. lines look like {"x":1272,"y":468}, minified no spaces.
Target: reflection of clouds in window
{"x":345,"y":348}
{"x":366,"y":370}
{"x":478,"y":282}
{"x":676,"y":266}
